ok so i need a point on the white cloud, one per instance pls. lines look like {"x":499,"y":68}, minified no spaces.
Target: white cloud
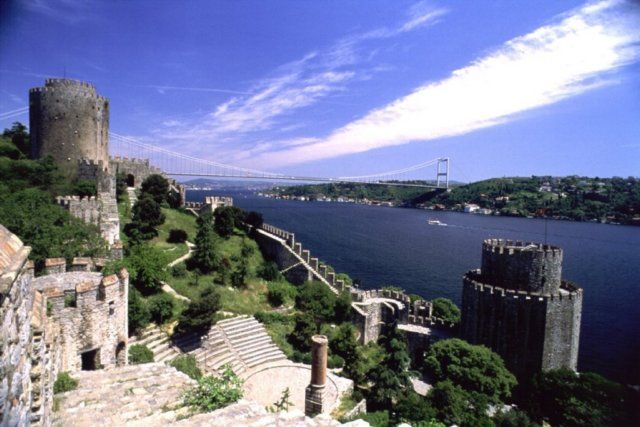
{"x":575,"y":54}
{"x":293,"y":86}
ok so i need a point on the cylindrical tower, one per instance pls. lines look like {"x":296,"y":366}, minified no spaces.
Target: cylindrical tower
{"x":314,"y":402}
{"x":69,"y":121}
{"x":519,"y":306}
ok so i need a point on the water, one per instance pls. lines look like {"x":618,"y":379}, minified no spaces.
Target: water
{"x":390,"y":246}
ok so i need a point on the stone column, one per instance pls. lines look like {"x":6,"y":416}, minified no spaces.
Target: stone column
{"x":314,"y":395}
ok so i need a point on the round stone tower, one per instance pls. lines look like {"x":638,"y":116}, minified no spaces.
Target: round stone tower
{"x":69,"y":121}
{"x":518,"y":305}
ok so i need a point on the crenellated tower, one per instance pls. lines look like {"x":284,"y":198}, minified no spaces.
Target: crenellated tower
{"x":518,"y":305}
{"x":69,"y":121}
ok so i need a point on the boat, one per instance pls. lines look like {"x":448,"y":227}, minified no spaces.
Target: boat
{"x":435,"y":222}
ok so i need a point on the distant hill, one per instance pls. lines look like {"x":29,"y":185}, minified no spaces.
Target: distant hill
{"x":613,"y":200}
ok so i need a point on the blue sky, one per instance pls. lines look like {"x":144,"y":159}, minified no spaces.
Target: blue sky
{"x":342,"y":88}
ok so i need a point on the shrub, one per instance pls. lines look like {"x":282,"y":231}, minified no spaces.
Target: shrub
{"x":139,"y":315}
{"x":199,"y":315}
{"x":212,"y":393}
{"x":335,"y":361}
{"x":268,"y":317}
{"x":317,"y":299}
{"x":139,"y":353}
{"x":304,"y":329}
{"x":187,"y":365}
{"x":85,"y":188}
{"x":280,"y":292}
{"x":177,"y":236}
{"x":64,"y":382}
{"x":161,"y":307}
{"x":179,"y":270}
{"x":269,"y":271}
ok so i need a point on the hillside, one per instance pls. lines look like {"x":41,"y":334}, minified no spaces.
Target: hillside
{"x":612,"y":200}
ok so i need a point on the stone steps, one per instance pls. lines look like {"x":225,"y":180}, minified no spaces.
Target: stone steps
{"x":158,"y":342}
{"x":121,"y":396}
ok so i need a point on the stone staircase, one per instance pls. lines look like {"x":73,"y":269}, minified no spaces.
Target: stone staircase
{"x":241,"y":342}
{"x":158,"y":342}
{"x":250,"y":341}
{"x":148,"y":394}
{"x":133,"y":197}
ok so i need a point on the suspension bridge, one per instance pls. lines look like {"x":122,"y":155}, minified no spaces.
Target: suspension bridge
{"x":179,"y":164}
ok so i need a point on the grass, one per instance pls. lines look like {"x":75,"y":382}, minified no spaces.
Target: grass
{"x":174,"y":220}
{"x":278,"y":331}
{"x":124,"y":212}
{"x":347,"y":403}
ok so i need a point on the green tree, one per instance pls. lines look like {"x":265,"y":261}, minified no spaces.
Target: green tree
{"x":205,"y":257}
{"x":269,"y":271}
{"x":472,"y":367}
{"x":391,"y":376}
{"x":304,"y":329}
{"x":224,"y":222}
{"x":199,"y":314}
{"x":343,"y":307}
{"x":177,"y":236}
{"x":280,"y":292}
{"x":239,"y":276}
{"x":343,"y":343}
{"x":444,"y":308}
{"x":454,"y":405}
{"x":316,"y":299}
{"x":147,"y":268}
{"x":147,"y":211}
{"x":19,"y":137}
{"x":161,"y":308}
{"x":564,"y":398}
{"x":121,"y":185}
{"x":157,"y":187}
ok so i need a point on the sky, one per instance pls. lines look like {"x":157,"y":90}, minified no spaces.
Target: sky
{"x":348,"y":88}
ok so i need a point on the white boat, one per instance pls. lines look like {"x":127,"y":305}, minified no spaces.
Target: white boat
{"x":435,"y":222}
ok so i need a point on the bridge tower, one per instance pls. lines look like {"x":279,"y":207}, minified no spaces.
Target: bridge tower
{"x":442,"y":170}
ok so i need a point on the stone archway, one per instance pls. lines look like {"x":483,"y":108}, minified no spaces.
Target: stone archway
{"x":131,"y":180}
{"x":121,"y":354}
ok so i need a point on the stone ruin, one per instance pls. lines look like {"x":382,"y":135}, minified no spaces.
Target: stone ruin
{"x":62,"y":321}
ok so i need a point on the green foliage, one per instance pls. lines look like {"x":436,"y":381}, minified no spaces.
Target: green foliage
{"x":179,"y":270}
{"x":334,"y":361}
{"x":205,"y":257}
{"x":64,"y":382}
{"x":146,"y":265}
{"x":212,"y":393}
{"x":280,"y":292}
{"x":139,"y":315}
{"x":375,"y":418}
{"x":177,"y":236}
{"x":121,"y":185}
{"x":85,"y":188}
{"x":317,"y":300}
{"x":444,"y":308}
{"x":283,"y":404}
{"x":414,"y":409}
{"x":342,"y":309}
{"x":454,"y":405}
{"x":390,"y":377}
{"x":239,"y":276}
{"x":157,"y":187}
{"x":305,"y":327}
{"x":186,"y":364}
{"x":513,"y":418}
{"x":269,"y":271}
{"x":474,"y":368}
{"x":19,"y":138}
{"x":199,"y":314}
{"x":70,"y":300}
{"x":565,"y":398}
{"x":139,"y":353}
{"x":161,"y":308}
{"x":49,"y":229}
{"x":224,"y":221}
{"x":268,"y":317}
{"x":254,"y":218}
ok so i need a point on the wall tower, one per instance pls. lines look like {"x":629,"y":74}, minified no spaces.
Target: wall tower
{"x":69,"y":121}
{"x":518,"y":305}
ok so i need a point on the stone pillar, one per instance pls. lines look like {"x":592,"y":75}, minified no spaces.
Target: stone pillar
{"x":314,"y":394}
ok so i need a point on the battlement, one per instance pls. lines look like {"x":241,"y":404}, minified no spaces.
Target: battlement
{"x":567,"y":291}
{"x":93,"y":163}
{"x":60,"y":265}
{"x":132,"y":160}
{"x":67,"y":201}
{"x":510,"y":247}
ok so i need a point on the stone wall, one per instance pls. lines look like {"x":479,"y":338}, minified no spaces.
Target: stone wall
{"x":531,"y":331}
{"x":91,"y":311}
{"x":69,"y":121}
{"x":42,"y":336}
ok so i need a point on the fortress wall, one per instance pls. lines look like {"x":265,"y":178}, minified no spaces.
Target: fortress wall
{"x":526,"y":266}
{"x":85,"y":208}
{"x":276,"y":251}
{"x":531,"y":331}
{"x":69,"y":121}
{"x":98,"y":172}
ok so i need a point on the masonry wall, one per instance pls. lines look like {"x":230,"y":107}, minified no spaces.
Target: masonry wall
{"x":69,"y":121}
{"x":275,"y":250}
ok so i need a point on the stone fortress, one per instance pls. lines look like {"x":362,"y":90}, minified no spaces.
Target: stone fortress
{"x":61,"y":321}
{"x":518,"y":305}
{"x":69,"y":121}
